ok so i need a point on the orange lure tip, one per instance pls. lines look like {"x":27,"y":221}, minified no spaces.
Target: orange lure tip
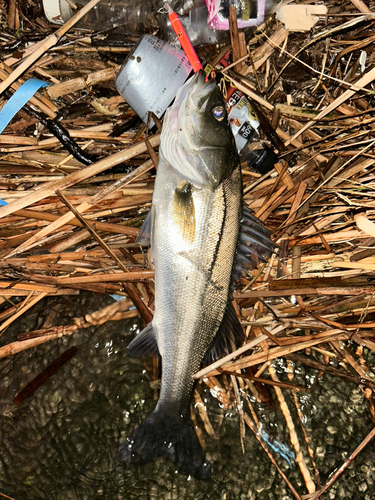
{"x":184,"y":39}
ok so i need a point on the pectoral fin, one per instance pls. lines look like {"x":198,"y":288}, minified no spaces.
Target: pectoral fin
{"x":144,"y":235}
{"x":183,"y":211}
{"x":229,"y":337}
{"x":144,"y":344}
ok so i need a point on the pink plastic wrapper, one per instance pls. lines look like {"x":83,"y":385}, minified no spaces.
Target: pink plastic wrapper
{"x":249,"y":13}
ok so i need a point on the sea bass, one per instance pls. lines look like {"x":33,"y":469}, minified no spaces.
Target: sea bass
{"x":196,"y":240}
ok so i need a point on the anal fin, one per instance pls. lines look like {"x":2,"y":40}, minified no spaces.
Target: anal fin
{"x":229,"y":337}
{"x":144,"y":344}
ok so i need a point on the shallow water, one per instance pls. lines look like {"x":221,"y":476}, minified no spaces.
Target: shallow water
{"x":61,"y":443}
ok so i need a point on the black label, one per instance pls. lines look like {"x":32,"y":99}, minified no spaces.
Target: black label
{"x":246,"y":131}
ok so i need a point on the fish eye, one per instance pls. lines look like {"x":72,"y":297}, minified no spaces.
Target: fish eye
{"x":218,"y":113}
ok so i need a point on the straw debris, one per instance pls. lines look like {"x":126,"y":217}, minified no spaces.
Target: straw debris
{"x":69,"y":225}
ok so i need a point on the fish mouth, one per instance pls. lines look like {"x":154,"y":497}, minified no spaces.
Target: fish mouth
{"x":202,"y":80}
{"x":201,"y":89}
{"x":197,"y":90}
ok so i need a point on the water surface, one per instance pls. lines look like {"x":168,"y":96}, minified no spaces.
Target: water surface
{"x":61,"y":443}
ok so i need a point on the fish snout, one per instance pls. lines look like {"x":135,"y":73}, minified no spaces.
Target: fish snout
{"x":203,"y":83}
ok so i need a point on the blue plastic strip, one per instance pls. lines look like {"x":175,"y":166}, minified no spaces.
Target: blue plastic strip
{"x":18,"y":100}
{"x":2,"y":202}
{"x":279,"y":448}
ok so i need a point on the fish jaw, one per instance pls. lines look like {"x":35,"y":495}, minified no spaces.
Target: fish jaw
{"x":199,"y":147}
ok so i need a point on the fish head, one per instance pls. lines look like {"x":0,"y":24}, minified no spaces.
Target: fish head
{"x":197,"y":139}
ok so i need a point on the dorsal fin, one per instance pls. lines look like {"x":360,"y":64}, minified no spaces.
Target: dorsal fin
{"x":144,"y":344}
{"x":229,"y":337}
{"x":254,"y":244}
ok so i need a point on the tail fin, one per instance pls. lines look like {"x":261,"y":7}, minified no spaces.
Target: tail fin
{"x":170,"y":437}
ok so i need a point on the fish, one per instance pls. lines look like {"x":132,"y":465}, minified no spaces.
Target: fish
{"x":202,"y":239}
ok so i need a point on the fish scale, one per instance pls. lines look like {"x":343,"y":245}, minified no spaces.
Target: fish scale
{"x":182,"y":312}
